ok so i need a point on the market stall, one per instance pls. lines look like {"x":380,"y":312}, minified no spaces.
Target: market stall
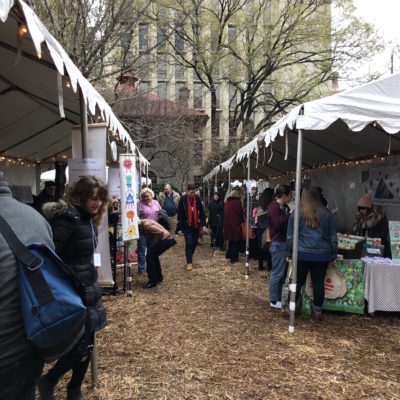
{"x":349,"y":139}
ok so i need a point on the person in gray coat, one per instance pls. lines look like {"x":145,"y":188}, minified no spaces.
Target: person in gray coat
{"x":20,"y":365}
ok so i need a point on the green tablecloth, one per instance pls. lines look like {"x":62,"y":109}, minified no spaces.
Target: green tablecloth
{"x":353,"y":300}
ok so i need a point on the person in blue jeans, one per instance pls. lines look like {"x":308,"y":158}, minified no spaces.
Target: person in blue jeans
{"x":191,"y":218}
{"x":317,"y":245}
{"x":278,"y":218}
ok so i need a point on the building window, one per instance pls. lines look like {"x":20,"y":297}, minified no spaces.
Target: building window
{"x":162,"y":67}
{"x":213,"y":40}
{"x":144,"y":86}
{"x":179,"y":42}
{"x":233,"y":94}
{"x":161,"y":38}
{"x":179,"y":71}
{"x":126,"y":35}
{"x":217,"y":93}
{"x":231,"y":35}
{"x":162,"y":89}
{"x":197,"y":95}
{"x":143,"y":37}
{"x":178,"y":86}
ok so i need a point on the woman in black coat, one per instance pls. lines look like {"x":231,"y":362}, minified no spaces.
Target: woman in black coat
{"x":74,"y":224}
{"x":216,"y":221}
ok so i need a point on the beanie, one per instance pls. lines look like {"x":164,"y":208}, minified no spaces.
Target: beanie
{"x":365,"y":201}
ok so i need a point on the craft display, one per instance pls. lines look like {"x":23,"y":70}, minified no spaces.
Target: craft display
{"x":394,"y":230}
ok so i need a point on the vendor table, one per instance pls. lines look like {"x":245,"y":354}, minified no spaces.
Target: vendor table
{"x":353,"y":300}
{"x":382,"y":284}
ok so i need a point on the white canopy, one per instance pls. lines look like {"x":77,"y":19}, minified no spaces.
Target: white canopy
{"x":353,"y":125}
{"x":38,"y":87}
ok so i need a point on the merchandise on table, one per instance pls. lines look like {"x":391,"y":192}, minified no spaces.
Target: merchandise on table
{"x":350,"y":246}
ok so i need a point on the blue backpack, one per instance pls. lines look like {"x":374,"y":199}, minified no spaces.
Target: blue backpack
{"x":53,"y":313}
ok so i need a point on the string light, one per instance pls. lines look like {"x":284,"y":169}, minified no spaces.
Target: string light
{"x":17,"y":161}
{"x":22,"y":30}
{"x":68,"y":83}
{"x":335,"y":164}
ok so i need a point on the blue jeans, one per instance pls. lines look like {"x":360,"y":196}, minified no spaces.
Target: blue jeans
{"x":141,"y":252}
{"x":278,"y":252}
{"x":191,"y":239}
{"x":18,"y":381}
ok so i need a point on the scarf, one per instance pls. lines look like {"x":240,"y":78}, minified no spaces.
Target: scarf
{"x":190,"y":213}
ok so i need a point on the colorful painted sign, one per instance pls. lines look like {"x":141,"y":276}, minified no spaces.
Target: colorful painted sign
{"x":129,"y":217}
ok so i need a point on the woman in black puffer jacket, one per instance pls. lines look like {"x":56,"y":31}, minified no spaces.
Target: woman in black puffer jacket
{"x":74,"y":226}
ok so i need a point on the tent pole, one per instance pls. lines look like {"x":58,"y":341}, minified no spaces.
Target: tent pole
{"x":247,"y":219}
{"x":229,"y":182}
{"x":292,"y":304}
{"x":84,"y":124}
{"x":216,"y":183}
{"x":147,"y":175}
{"x":140,"y":178}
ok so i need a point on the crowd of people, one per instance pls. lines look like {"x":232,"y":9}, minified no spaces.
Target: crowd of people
{"x":70,"y":226}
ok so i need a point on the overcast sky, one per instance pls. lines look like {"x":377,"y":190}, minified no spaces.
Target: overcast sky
{"x":385,"y":15}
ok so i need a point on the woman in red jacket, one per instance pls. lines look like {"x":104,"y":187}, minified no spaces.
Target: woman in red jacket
{"x":233,"y":219}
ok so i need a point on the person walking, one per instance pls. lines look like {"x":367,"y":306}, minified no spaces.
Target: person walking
{"x":317,"y":245}
{"x":159,"y":241}
{"x":215,"y":221}
{"x":191,"y":218}
{"x":147,"y":208}
{"x":169,"y":201}
{"x":233,"y":219}
{"x":74,"y":224}
{"x":20,"y":365}
{"x":278,"y":217}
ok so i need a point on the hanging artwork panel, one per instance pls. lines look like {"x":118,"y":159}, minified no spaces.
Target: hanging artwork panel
{"x":129,"y":217}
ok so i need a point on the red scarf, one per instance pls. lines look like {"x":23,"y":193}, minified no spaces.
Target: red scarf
{"x":190,"y":213}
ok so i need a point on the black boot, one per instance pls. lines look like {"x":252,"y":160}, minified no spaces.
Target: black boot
{"x":150,"y":285}
{"x":46,"y":388}
{"x":74,"y":393}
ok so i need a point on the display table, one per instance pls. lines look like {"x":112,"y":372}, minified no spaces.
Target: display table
{"x":382,"y":284}
{"x":353,"y":300}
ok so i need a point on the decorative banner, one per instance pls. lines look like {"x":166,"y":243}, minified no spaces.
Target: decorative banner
{"x":127,"y":165}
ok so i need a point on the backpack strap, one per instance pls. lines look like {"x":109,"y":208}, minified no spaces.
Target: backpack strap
{"x":30,"y":262}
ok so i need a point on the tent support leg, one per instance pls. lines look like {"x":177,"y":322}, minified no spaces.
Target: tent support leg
{"x":247,"y":220}
{"x":84,"y":124}
{"x":292,"y":304}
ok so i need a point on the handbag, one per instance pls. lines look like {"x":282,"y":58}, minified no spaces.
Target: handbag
{"x":252,"y":235}
{"x":52,"y":309}
{"x":266,"y":239}
{"x":286,"y":287}
{"x":335,"y":284}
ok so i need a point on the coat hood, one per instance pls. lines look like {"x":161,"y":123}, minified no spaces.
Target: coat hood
{"x":54,"y":209}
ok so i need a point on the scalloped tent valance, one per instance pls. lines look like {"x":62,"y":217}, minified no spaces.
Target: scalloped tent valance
{"x":39,"y":85}
{"x":357,"y":124}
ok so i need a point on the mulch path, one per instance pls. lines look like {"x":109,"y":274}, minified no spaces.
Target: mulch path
{"x":210,"y":334}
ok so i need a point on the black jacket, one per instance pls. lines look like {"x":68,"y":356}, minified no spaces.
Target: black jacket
{"x":183,"y":221}
{"x":215,"y":213}
{"x":74,"y":236}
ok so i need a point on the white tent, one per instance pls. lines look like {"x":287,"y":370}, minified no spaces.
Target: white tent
{"x":39,"y":99}
{"x":346,"y":129}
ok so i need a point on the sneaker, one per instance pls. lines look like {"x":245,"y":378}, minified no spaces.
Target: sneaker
{"x":275,"y":304}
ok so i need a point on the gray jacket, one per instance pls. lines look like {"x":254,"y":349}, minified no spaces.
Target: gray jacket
{"x":30,"y":227}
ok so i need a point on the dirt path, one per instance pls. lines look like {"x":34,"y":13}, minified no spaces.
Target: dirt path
{"x":209,"y":334}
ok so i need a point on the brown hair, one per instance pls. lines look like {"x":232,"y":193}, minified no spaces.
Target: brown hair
{"x":310,"y":205}
{"x":82,"y":190}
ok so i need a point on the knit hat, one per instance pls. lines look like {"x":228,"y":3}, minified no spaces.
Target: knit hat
{"x":365,"y":201}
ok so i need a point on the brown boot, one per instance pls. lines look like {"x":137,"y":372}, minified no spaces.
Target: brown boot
{"x":189,"y":267}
